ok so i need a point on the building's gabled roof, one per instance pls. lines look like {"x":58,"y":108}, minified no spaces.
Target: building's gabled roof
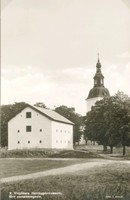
{"x":50,"y":114}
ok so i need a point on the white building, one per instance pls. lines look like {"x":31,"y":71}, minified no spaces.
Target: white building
{"x":98,"y":91}
{"x":36,"y":127}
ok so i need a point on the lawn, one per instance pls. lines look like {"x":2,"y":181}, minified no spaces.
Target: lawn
{"x":46,"y":153}
{"x":13,"y":167}
{"x":93,"y":184}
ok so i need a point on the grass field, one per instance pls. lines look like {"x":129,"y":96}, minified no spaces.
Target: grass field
{"x":89,"y":151}
{"x":98,"y":149}
{"x":46,"y":153}
{"x":94,"y":184}
{"x":14,"y":167}
{"x":26,"y":153}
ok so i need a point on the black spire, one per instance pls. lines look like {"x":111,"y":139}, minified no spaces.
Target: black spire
{"x":98,"y":78}
{"x":98,"y":62}
{"x":98,"y":90}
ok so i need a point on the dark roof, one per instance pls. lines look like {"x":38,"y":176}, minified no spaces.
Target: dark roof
{"x":50,"y":114}
{"x":98,"y":92}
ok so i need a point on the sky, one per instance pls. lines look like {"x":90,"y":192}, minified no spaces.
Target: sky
{"x":49,"y":50}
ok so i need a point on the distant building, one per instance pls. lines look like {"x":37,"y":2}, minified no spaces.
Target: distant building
{"x":98,"y":91}
{"x":36,"y":127}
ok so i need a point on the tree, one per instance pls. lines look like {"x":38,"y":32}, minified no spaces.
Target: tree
{"x":119,"y":120}
{"x":109,"y":121}
{"x":8,"y":112}
{"x":125,"y":137}
{"x":95,"y":126}
{"x":70,"y":114}
{"x":124,"y":121}
{"x":40,"y":104}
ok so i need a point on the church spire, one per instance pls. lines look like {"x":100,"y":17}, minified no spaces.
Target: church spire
{"x":98,"y":63}
{"x":98,"y":78}
{"x":98,"y":57}
{"x":98,"y":91}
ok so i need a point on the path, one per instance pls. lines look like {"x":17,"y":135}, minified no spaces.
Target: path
{"x":62,"y":170}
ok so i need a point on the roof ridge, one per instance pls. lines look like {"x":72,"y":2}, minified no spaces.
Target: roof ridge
{"x":58,"y":118}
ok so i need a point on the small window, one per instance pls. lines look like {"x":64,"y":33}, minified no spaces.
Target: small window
{"x":28,"y":128}
{"x":60,"y":141}
{"x":56,"y":130}
{"x":28,"y":114}
{"x":68,"y":132}
{"x":18,"y":142}
{"x":40,"y":130}
{"x":65,"y":131}
{"x":65,"y":141}
{"x":28,"y":141}
{"x":68,"y":141}
{"x":61,"y":131}
{"x":18,"y":131}
{"x":40,"y":141}
{"x":56,"y":141}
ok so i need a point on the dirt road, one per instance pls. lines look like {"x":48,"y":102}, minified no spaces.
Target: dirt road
{"x":62,"y":170}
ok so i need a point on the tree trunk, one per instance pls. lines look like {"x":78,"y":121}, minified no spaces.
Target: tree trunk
{"x":86,"y":141}
{"x":123,"y":150}
{"x":104,"y":148}
{"x":111,"y":149}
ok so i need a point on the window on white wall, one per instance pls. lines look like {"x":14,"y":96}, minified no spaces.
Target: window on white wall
{"x":28,"y":141}
{"x":40,"y":141}
{"x":18,"y":131}
{"x":28,"y":115}
{"x":40,"y":130}
{"x":18,"y":142}
{"x":28,"y":128}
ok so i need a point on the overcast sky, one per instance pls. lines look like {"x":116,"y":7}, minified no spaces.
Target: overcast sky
{"x":49,"y":49}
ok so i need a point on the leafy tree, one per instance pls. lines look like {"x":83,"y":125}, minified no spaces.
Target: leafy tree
{"x":70,"y":114}
{"x":109,"y":121}
{"x":7,"y":112}
{"x":118,"y":120}
{"x":95,"y":126}
{"x":40,"y":104}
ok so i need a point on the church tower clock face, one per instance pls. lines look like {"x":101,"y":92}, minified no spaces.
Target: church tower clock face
{"x":98,"y":91}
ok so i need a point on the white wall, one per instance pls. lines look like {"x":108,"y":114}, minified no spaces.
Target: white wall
{"x":82,"y":140}
{"x":37,"y":121}
{"x":62,"y":135}
{"x":91,"y":102}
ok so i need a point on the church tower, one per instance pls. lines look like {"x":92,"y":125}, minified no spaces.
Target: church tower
{"x":98,"y":91}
